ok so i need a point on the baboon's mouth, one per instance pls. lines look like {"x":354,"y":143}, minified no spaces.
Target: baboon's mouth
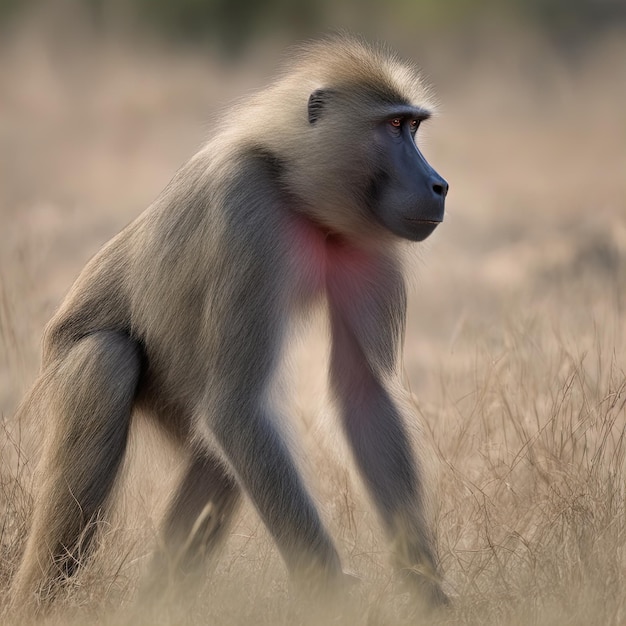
{"x":425,"y":222}
{"x":420,"y":229}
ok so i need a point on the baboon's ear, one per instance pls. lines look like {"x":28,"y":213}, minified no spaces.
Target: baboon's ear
{"x":317,"y":101}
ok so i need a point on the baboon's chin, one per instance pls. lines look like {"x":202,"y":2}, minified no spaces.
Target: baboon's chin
{"x":413,"y":229}
{"x":420,"y":229}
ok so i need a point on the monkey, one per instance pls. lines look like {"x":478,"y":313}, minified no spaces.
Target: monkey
{"x":307,"y":192}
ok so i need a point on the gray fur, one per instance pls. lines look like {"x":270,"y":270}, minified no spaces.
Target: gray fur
{"x":183,"y":315}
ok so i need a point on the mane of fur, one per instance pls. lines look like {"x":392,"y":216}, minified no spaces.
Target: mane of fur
{"x":325,"y":166}
{"x":344,"y":64}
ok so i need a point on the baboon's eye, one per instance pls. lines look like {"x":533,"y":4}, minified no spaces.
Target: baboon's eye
{"x":396,"y":122}
{"x":415,"y":124}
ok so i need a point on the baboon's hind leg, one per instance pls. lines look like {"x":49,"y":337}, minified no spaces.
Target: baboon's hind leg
{"x":198,"y":518}
{"x":85,"y":400}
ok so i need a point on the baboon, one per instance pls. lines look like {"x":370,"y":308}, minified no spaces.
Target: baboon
{"x":305,"y":193}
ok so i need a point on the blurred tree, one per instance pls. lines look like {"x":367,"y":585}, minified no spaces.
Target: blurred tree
{"x":231,"y":24}
{"x":8,"y":8}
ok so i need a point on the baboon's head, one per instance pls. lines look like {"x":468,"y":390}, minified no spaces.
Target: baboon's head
{"x":356,"y":157}
{"x":348,"y":116}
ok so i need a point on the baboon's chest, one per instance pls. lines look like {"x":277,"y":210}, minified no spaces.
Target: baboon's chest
{"x":328,"y":262}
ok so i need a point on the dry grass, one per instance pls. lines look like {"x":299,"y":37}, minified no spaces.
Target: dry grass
{"x":516,"y":347}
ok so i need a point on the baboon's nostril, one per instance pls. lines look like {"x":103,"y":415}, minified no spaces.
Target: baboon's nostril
{"x":441,"y":189}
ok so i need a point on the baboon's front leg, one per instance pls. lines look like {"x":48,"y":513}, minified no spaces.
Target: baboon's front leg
{"x":367,"y":328}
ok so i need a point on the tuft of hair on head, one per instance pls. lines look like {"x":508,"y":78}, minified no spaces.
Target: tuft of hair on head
{"x":345,"y":60}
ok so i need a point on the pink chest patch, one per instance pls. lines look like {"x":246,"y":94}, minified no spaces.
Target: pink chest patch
{"x":327,"y":261}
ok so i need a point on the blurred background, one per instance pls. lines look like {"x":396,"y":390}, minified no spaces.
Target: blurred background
{"x":234,"y":26}
{"x":101,"y":101}
{"x":516,"y":342}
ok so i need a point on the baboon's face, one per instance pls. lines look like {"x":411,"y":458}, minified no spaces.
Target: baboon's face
{"x":386,"y":171}
{"x":406,"y":194}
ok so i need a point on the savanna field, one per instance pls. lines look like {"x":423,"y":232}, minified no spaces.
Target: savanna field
{"x":515,"y":351}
